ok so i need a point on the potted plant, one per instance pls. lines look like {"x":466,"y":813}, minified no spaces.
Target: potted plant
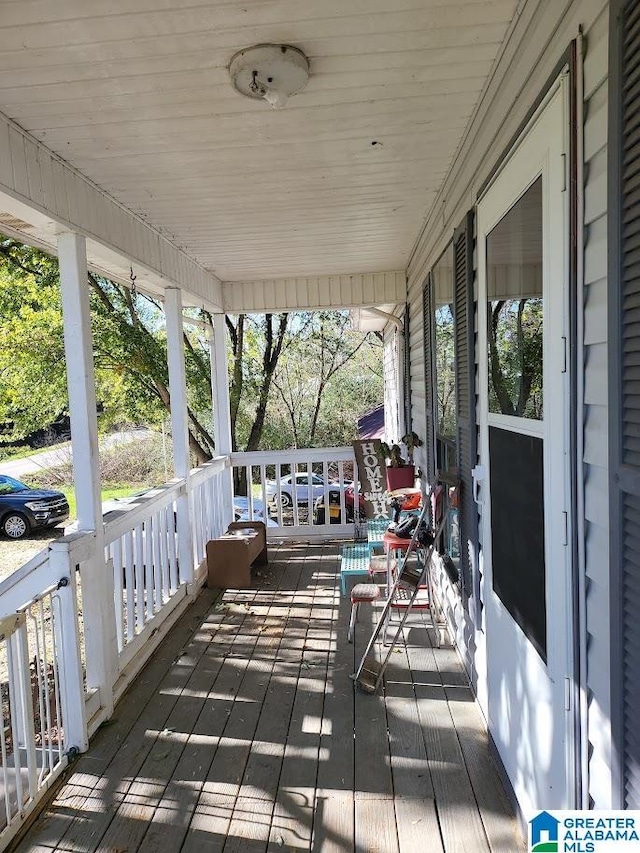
{"x":401,"y":472}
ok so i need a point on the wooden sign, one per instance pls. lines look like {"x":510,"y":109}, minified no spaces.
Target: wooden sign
{"x":373,"y":481}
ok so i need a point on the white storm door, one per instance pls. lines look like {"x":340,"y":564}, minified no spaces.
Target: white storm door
{"x":522,"y":317}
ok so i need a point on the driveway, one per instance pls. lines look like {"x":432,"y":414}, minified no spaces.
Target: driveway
{"x":61,"y":452}
{"x":14,"y":554}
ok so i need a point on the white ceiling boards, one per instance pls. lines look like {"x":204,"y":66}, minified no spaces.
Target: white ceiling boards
{"x":136,"y":95}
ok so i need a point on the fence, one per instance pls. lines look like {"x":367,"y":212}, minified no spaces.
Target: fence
{"x":291,"y":491}
{"x":54,"y":694}
{"x":41,"y":687}
{"x":79,"y":621}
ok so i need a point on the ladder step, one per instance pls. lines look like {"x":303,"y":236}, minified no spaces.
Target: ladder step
{"x":368,"y":678}
{"x":411,"y":575}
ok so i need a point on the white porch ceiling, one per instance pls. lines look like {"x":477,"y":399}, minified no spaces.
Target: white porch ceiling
{"x":135,"y":95}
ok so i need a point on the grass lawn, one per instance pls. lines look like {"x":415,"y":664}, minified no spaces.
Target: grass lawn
{"x":109,"y":492}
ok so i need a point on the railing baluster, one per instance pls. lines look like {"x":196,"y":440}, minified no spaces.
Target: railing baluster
{"x":343,"y":503}
{"x":200,"y":497}
{"x":157,"y":574}
{"x":309,"y":491}
{"x":197,"y":498}
{"x":294,"y":492}
{"x":217,"y":511}
{"x":249,"y":475}
{"x":164,"y":556}
{"x":5,"y":725}
{"x":356,"y":496}
{"x":263,"y":492}
{"x":171,"y":542}
{"x":56,"y":651}
{"x":130,"y":584}
{"x":327,"y":506}
{"x":139,"y":575}
{"x":277,"y":495}
{"x":148,"y":567}
{"x":16,"y":710}
{"x":44,"y":701}
{"x":116,"y":556}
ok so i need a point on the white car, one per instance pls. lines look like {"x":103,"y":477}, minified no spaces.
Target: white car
{"x":301,"y":489}
{"x":241,"y":510}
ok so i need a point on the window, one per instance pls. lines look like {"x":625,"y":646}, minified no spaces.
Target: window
{"x":514,"y":310}
{"x":445,"y":393}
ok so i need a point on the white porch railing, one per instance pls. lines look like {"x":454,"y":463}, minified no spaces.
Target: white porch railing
{"x":141,"y":552}
{"x":52,"y":697}
{"x":41,"y":685}
{"x":282,"y":486}
{"x":210,"y":506}
{"x":50,"y":704}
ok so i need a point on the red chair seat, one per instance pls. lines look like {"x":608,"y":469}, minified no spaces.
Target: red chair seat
{"x":391,"y":542}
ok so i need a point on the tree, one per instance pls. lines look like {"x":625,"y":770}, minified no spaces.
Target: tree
{"x":256,"y":345}
{"x":129,"y":347}
{"x":445,"y":372}
{"x":515,"y":357}
{"x":307,"y":378}
{"x":289,"y":382}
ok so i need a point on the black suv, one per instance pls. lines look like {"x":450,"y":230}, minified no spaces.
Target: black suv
{"x":23,"y":509}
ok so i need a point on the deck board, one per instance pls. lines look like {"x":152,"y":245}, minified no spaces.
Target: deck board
{"x":333,"y":825}
{"x":292,"y":823}
{"x":244,"y":734}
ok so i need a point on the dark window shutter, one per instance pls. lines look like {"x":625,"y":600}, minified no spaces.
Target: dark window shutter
{"x":624,"y":379}
{"x":466,"y":398}
{"x":406,"y":373}
{"x":429,"y":379}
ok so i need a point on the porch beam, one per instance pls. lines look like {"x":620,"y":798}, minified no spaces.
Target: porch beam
{"x":43,"y":195}
{"x":97,"y":586}
{"x":315,"y":293}
{"x":179,"y":425}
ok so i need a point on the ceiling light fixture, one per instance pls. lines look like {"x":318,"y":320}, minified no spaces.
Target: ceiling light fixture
{"x":269,"y":72}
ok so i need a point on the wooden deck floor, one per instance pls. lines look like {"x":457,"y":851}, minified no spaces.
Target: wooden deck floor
{"x":244,"y":733}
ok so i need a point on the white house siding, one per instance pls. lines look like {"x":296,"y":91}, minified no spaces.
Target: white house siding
{"x":539,"y":39}
{"x":315,"y":292}
{"x":596,"y":411}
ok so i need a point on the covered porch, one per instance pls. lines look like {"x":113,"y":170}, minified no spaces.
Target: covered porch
{"x":244,"y":732}
{"x":125,"y":151}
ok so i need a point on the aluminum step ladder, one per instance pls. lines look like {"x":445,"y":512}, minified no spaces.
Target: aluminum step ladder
{"x":410,"y":579}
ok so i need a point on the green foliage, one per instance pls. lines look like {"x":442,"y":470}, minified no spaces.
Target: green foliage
{"x":130,"y":352}
{"x":394,"y":452}
{"x":32,"y":386}
{"x":327,"y":377}
{"x":296,"y":380}
{"x":445,"y":372}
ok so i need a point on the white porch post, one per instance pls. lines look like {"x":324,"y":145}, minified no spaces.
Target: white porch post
{"x":220,"y":387}
{"x":221,"y":403}
{"x":179,"y":425}
{"x":97,"y":585}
